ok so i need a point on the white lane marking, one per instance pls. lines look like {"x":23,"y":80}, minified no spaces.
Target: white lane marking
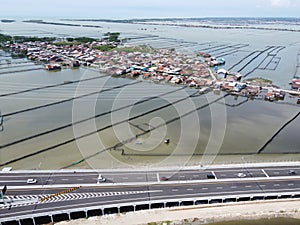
{"x":213,"y":173}
{"x":265,"y":173}
{"x":125,"y":178}
{"x":262,"y":185}
{"x":174,"y":190}
{"x":276,"y":185}
{"x":204,"y":188}
{"x":219,"y":188}
{"x":64,"y":179}
{"x":290,"y":184}
{"x":80,"y":179}
{"x":234,"y":187}
{"x":12,"y":181}
{"x":195,"y":175}
{"x":276,"y":172}
{"x":25,"y":200}
{"x":182,"y":176}
{"x":249,"y":186}
{"x":190,"y":189}
{"x":235,"y":170}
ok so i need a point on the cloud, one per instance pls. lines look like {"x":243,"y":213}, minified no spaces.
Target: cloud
{"x":280,"y":3}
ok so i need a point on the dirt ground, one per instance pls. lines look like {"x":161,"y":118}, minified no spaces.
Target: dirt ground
{"x":200,"y":214}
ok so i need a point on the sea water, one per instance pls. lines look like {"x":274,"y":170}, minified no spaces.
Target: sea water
{"x":232,"y":129}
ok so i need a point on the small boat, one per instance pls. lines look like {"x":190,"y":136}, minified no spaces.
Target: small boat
{"x":53,"y":67}
{"x":75,"y":64}
{"x":204,"y":90}
{"x":167,"y":141}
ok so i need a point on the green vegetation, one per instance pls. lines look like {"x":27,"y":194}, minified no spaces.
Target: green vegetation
{"x":7,"y":21}
{"x":85,"y":39}
{"x":5,"y":38}
{"x":20,"y":39}
{"x":104,"y":48}
{"x":75,"y":41}
{"x":141,"y":48}
{"x":69,"y":39}
{"x":113,"y":37}
{"x":19,"y":55}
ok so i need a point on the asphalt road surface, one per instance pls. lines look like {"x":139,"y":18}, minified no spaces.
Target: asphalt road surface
{"x":136,"y":186}
{"x":56,"y":178}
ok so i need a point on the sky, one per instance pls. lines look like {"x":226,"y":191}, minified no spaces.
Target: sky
{"x":128,"y":9}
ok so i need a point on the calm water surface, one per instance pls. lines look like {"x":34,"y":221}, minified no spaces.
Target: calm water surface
{"x":74,"y":120}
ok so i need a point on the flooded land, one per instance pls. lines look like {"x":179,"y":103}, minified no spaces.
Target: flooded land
{"x":86,"y":118}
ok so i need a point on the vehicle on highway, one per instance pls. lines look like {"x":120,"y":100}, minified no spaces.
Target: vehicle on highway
{"x":292,"y":172}
{"x":101,"y":179}
{"x":164,"y":178}
{"x":31,"y":181}
{"x":241,"y":175}
{"x":210,"y":176}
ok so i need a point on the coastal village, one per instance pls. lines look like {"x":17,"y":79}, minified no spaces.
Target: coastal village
{"x":202,"y":71}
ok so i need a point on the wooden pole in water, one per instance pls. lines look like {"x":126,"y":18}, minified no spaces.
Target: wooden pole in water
{"x":1,"y":119}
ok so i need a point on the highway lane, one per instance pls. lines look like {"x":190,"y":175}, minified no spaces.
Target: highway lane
{"x":100,"y":196}
{"x":17,"y":179}
{"x":26,"y":200}
{"x":198,"y":187}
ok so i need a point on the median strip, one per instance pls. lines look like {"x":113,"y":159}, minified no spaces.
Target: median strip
{"x":59,"y":193}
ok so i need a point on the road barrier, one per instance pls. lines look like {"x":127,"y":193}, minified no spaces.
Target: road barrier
{"x":59,"y":193}
{"x":76,"y":213}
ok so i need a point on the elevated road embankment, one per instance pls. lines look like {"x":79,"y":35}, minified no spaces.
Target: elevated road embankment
{"x":63,"y":195}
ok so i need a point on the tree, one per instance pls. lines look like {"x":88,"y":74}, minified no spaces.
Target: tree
{"x":69,"y":39}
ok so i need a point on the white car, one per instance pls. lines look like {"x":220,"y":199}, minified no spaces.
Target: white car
{"x":101,"y":179}
{"x":31,"y":181}
{"x":241,"y":175}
